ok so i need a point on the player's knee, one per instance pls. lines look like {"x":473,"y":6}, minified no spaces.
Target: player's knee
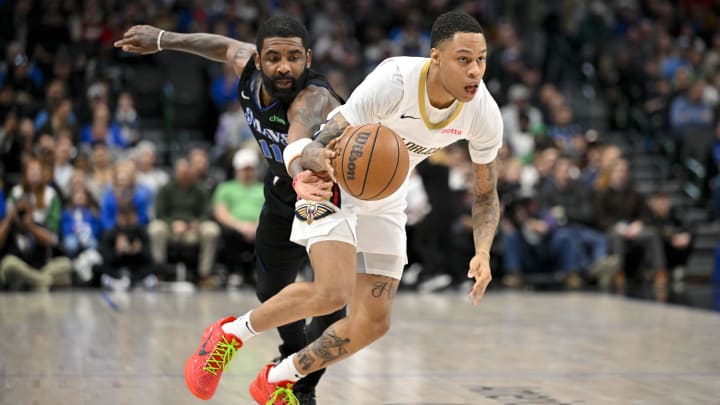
{"x":376,"y":326}
{"x":329,"y":300}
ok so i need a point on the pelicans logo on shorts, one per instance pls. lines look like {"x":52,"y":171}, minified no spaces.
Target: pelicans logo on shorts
{"x":312,"y":211}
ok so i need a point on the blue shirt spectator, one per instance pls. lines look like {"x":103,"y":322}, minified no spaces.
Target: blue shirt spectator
{"x":224,"y":88}
{"x":79,"y":229}
{"x":114,"y":138}
{"x":3,"y":207}
{"x":690,"y":110}
{"x":125,"y":190}
{"x":141,"y":198}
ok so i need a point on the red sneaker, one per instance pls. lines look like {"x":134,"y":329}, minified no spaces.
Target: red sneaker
{"x":205,"y":367}
{"x":266,"y":393}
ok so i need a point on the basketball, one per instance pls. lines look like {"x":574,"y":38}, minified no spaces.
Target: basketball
{"x":371,"y":162}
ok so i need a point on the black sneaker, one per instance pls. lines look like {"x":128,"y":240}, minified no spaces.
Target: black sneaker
{"x":306,"y":398}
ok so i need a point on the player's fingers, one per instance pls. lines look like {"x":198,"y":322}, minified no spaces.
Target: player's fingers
{"x":132,"y":48}
{"x":121,"y":42}
{"x":332,"y":143}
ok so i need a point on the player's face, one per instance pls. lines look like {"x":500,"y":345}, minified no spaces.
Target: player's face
{"x":462,"y":62}
{"x":283,"y":64}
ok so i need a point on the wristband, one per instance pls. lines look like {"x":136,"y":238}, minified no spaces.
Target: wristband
{"x":294,"y":150}
{"x":160,"y":34}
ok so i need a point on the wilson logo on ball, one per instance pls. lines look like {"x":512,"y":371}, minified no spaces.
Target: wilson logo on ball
{"x":356,"y":152}
{"x":371,"y":161}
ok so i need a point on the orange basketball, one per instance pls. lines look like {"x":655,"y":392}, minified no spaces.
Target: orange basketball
{"x":372,"y":161}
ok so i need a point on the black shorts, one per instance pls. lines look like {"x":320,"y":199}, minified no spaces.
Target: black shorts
{"x":273,"y":249}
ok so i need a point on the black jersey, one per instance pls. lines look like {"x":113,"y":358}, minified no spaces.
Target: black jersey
{"x":270,"y":127}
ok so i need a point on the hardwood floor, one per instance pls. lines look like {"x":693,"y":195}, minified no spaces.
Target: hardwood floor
{"x":89,"y":347}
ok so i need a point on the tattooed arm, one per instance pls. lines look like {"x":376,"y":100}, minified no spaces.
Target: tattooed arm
{"x":485,"y":218}
{"x":305,"y":115}
{"x":143,"y":39}
{"x":316,"y":155}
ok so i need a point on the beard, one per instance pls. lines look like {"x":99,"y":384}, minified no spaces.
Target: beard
{"x":284,"y":96}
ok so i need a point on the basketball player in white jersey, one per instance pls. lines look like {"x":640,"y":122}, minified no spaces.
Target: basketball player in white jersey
{"x":357,"y":249}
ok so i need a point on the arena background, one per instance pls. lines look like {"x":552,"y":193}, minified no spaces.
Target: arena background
{"x":585,"y":88}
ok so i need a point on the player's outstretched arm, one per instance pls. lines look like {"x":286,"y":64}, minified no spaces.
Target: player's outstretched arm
{"x":485,"y":218}
{"x":146,"y":39}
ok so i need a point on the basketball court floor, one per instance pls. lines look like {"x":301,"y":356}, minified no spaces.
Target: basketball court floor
{"x":91,"y":347}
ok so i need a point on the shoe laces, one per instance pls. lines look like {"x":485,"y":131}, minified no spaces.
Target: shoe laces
{"x":221,"y":356}
{"x":286,"y":394}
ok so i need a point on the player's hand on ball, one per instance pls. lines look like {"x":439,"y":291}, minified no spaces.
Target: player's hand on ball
{"x":142,"y":39}
{"x":318,"y":160}
{"x":313,"y":186}
{"x":480,"y":271}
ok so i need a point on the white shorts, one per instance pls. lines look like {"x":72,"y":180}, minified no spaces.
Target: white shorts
{"x":380,"y":244}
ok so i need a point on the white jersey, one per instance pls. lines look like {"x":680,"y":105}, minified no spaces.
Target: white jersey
{"x":395,"y":95}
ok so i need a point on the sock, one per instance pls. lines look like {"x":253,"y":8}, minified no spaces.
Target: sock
{"x":240,"y":327}
{"x":285,"y":371}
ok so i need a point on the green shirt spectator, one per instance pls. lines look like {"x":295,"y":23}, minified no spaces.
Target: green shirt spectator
{"x":243,"y":201}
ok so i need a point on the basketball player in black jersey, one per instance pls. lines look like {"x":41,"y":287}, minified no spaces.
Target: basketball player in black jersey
{"x":280,"y":95}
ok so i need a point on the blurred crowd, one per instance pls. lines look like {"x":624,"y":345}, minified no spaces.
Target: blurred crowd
{"x":88,"y":199}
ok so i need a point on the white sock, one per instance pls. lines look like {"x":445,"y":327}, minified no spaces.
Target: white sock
{"x":240,"y":327}
{"x":285,"y":371}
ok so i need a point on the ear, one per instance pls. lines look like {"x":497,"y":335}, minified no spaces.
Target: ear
{"x":435,"y":56}
{"x":308,"y":55}
{"x":256,"y":58}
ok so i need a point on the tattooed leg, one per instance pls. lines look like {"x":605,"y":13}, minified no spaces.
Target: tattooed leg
{"x":368,"y":320}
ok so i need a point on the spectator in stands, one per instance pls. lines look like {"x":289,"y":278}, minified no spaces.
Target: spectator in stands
{"x":432,"y":236}
{"x":534,"y":244}
{"x":101,"y":175}
{"x":417,"y":208}
{"x":535,"y":177}
{"x":63,"y":166}
{"x":232,"y":132}
{"x":12,"y":146}
{"x":124,"y":191}
{"x":619,"y":211}
{"x":206,"y":176}
{"x":80,"y":233}
{"x":608,"y":157}
{"x":125,"y":251}
{"x":224,"y":88}
{"x":568,"y":203}
{"x":79,"y":224}
{"x":148,"y":174}
{"x":60,"y":118}
{"x":236,"y":207}
{"x":181,"y":218}
{"x":102,"y":129}
{"x":55,"y":93}
{"x":675,"y":234}
{"x":519,"y":106}
{"x":691,"y":119}
{"x":509,"y":180}
{"x":3,"y":207}
{"x":411,"y":39}
{"x":127,"y":118}
{"x":563,"y":129}
{"x":28,"y":234}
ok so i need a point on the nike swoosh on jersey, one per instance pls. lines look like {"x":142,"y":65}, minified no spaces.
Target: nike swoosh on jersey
{"x":244,"y":96}
{"x":405,"y":116}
